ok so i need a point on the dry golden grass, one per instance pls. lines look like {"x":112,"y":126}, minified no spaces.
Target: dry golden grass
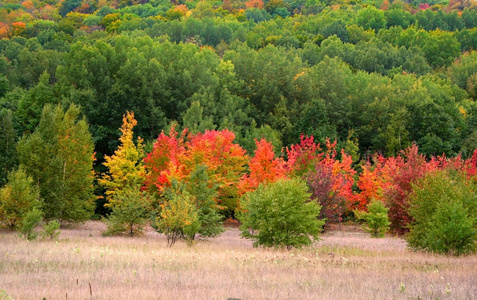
{"x":344,"y":265}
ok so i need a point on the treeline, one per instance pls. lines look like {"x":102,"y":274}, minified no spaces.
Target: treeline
{"x":374,"y":77}
{"x":275,"y":92}
{"x":380,"y":78}
{"x":191,"y":181}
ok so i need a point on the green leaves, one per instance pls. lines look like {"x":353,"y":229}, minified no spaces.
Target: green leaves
{"x":59,"y":157}
{"x":18,"y":198}
{"x":280,"y":215}
{"x":444,"y":207}
{"x":376,"y":218}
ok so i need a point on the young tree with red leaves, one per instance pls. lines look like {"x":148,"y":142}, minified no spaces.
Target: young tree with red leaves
{"x":264,"y":167}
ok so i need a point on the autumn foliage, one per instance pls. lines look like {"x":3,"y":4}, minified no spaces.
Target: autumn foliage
{"x":175,"y":157}
{"x":390,"y":180}
{"x":125,"y":167}
{"x":264,"y":167}
{"x":331,"y":182}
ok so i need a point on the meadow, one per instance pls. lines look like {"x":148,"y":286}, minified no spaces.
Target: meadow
{"x":345,"y":264}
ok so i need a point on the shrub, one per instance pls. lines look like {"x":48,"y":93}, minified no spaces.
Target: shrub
{"x":129,"y":212}
{"x":17,"y":198}
{"x":444,"y":208}
{"x":203,"y":197}
{"x":376,"y":218}
{"x":280,"y":215}
{"x":50,"y":230}
{"x":30,"y":222}
{"x":178,"y":218}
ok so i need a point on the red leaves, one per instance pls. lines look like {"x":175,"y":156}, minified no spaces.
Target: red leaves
{"x":264,"y":167}
{"x":331,"y":180}
{"x":176,"y":157}
{"x":303,"y":157}
{"x":164,"y":160}
{"x":391,"y":179}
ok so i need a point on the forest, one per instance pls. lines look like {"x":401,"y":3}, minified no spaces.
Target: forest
{"x":183,"y":114}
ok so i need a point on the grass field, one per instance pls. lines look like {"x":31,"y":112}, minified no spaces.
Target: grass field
{"x":343,"y":265}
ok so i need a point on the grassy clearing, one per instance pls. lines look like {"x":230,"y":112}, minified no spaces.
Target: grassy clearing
{"x":344,"y":265}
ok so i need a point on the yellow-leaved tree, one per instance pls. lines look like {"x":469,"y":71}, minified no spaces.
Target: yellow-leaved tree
{"x":125,"y":166}
{"x":123,"y":181}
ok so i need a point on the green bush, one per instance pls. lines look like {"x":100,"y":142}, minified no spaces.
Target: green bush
{"x":280,"y":215}
{"x":178,"y":217}
{"x":376,"y":218}
{"x":129,"y":212}
{"x":30,"y":222}
{"x":50,"y":230}
{"x":210,"y":220}
{"x":444,"y":209}
{"x":18,"y":197}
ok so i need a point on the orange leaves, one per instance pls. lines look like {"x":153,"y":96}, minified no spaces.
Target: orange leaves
{"x":164,"y":160}
{"x":264,"y":167}
{"x":254,"y":4}
{"x":18,"y":28}
{"x":175,"y":158}
{"x":28,"y":4}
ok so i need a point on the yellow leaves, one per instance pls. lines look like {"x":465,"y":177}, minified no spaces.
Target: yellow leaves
{"x":298,"y":75}
{"x":177,"y":214}
{"x":125,"y":165}
{"x":463,"y":111}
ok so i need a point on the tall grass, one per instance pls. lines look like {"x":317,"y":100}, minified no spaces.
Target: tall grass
{"x":344,"y":265}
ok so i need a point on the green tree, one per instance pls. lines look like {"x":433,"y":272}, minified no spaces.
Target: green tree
{"x":31,"y":221}
{"x":8,"y":140}
{"x":444,"y":208}
{"x":130,"y":208}
{"x":67,"y":6}
{"x":371,"y":18}
{"x":441,"y":48}
{"x":50,"y":230}
{"x":59,"y":157}
{"x":17,"y":198}
{"x":209,"y":218}
{"x":280,"y":215}
{"x":178,"y":217}
{"x":376,"y":218}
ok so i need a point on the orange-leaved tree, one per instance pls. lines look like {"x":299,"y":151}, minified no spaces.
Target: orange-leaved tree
{"x":164,"y":161}
{"x":225,"y":163}
{"x":264,"y":167}
{"x":175,"y":158}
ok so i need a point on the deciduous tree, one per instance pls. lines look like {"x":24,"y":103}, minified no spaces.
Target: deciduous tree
{"x":59,"y":158}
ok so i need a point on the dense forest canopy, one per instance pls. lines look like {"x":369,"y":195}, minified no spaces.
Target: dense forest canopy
{"x":378,"y":75}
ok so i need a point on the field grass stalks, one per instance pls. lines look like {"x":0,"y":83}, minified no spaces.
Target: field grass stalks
{"x":82,"y":264}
